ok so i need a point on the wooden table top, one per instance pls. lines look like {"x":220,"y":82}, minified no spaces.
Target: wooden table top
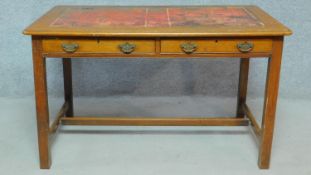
{"x":157,"y":21}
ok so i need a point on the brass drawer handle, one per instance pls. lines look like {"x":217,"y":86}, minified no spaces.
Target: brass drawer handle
{"x":127,"y":48}
{"x":245,"y":47}
{"x":188,"y":47}
{"x":70,"y":48}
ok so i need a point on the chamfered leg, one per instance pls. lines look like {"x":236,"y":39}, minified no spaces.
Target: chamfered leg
{"x":42,"y":108}
{"x":270,"y":103}
{"x":242,"y":89}
{"x":67,"y":72}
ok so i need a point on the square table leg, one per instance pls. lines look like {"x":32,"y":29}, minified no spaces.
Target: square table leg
{"x":270,"y":103}
{"x":42,"y":107}
{"x":242,"y":89}
{"x":67,"y":72}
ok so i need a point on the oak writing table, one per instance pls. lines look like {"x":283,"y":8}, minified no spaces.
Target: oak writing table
{"x":243,"y":32}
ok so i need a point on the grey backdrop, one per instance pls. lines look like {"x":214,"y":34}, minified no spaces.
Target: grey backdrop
{"x":152,"y":77}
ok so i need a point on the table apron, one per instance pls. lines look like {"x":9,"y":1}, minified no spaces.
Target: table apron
{"x":156,"y":56}
{"x":182,"y":47}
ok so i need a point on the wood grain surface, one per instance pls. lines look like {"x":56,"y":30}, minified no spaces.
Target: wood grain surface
{"x":203,"y":21}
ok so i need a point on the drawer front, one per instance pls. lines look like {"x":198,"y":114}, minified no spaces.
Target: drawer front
{"x":205,"y":46}
{"x":98,"y":46}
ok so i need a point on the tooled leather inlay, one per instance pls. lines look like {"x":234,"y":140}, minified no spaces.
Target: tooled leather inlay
{"x":156,"y":17}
